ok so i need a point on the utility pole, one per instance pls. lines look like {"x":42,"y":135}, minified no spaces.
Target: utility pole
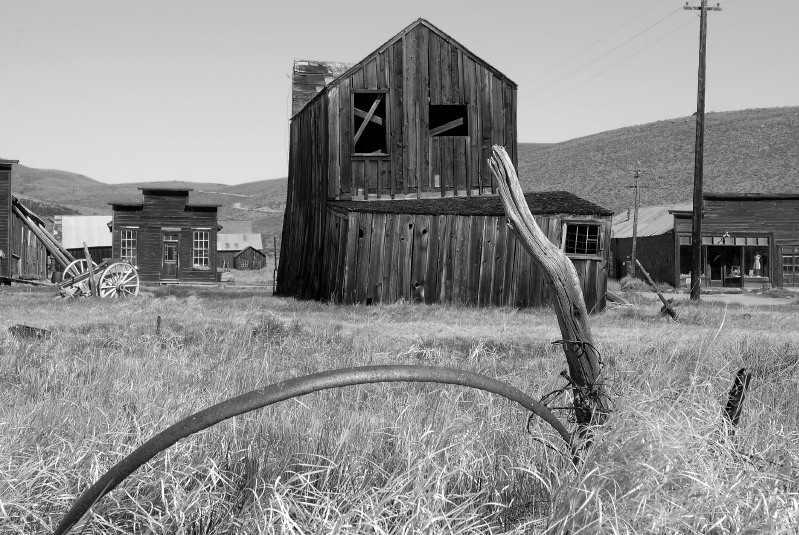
{"x":696,"y":234}
{"x":636,"y":204}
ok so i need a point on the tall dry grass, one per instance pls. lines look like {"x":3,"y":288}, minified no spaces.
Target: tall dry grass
{"x":391,"y":458}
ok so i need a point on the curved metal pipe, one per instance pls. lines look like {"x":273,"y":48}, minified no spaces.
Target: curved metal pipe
{"x":284,"y":390}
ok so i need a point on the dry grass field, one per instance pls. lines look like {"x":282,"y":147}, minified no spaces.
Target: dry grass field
{"x":391,"y":458}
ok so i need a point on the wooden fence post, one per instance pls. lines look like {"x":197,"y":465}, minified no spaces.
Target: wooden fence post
{"x":90,"y":268}
{"x":591,"y":403}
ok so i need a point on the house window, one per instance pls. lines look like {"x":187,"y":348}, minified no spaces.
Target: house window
{"x":127,"y":246}
{"x":449,"y":120}
{"x":201,"y":246}
{"x":243,"y":263}
{"x":369,"y":123}
{"x":581,"y":239}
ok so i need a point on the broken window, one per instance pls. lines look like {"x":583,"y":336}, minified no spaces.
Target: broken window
{"x":369,"y":122}
{"x":449,"y":120}
{"x":582,"y":239}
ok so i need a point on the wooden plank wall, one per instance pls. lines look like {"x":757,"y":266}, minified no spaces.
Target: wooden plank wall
{"x":5,"y":219}
{"x":301,"y":268}
{"x":471,"y":260}
{"x":167,"y":210}
{"x":656,"y":254}
{"x":418,"y":69}
{"x":32,"y":255}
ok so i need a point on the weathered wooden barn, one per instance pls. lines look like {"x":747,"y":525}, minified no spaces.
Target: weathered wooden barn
{"x":24,"y":244}
{"x":391,"y":157}
{"x":170,"y":239}
{"x":72,"y":231}
{"x":230,"y":248}
{"x":749,"y":240}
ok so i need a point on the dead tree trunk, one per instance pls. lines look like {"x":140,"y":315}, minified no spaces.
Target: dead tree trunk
{"x":591,"y":404}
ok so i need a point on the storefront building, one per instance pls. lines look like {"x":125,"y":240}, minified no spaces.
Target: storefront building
{"x":749,"y":241}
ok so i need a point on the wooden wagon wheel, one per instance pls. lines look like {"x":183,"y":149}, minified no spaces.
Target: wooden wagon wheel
{"x":119,"y":280}
{"x":75,"y":269}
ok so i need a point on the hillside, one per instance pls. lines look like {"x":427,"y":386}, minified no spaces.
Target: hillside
{"x":745,"y":151}
{"x":62,"y":192}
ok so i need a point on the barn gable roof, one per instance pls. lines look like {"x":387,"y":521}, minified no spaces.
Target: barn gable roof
{"x":237,"y":242}
{"x":397,"y":37}
{"x":540,"y":203}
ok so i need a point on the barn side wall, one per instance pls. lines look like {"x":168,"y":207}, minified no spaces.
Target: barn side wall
{"x":419,"y":69}
{"x":301,"y":249}
{"x":472,"y":260}
{"x":5,"y":219}
{"x":656,"y":254}
{"x":29,"y":257}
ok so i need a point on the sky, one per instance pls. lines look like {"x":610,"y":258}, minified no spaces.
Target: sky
{"x":199,"y":90}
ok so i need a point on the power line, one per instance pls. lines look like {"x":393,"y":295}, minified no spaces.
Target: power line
{"x":607,"y":68}
{"x":591,"y":45}
{"x":593,"y":61}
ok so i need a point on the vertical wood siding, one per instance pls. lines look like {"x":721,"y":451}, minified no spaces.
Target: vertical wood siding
{"x":470,"y":260}
{"x":304,"y":240}
{"x":5,"y":221}
{"x":162,"y":210}
{"x":418,"y":69}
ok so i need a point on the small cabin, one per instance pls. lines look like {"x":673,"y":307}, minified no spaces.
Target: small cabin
{"x":169,"y":238}
{"x":249,"y":258}
{"x":388,"y":171}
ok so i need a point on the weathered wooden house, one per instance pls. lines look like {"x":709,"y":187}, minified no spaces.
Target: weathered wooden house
{"x":72,"y":231}
{"x":24,"y":244}
{"x":749,"y":240}
{"x":249,"y":258}
{"x":170,"y":239}
{"x":389,"y":190}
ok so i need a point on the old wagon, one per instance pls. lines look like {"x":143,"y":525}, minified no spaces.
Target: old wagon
{"x":114,"y":277}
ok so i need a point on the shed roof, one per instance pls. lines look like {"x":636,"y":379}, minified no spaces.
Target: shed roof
{"x":92,"y":229}
{"x":397,"y":37}
{"x":245,"y":250}
{"x":652,"y":221}
{"x":237,"y":242}
{"x":540,"y":203}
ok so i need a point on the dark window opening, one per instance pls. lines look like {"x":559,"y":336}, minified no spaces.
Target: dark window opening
{"x":449,"y":120}
{"x":582,"y":239}
{"x":369,"y":123}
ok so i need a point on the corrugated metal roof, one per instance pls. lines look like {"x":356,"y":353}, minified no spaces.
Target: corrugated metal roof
{"x":652,"y":221}
{"x":236,"y":227}
{"x":542,"y":202}
{"x":237,"y":242}
{"x":92,"y":229}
